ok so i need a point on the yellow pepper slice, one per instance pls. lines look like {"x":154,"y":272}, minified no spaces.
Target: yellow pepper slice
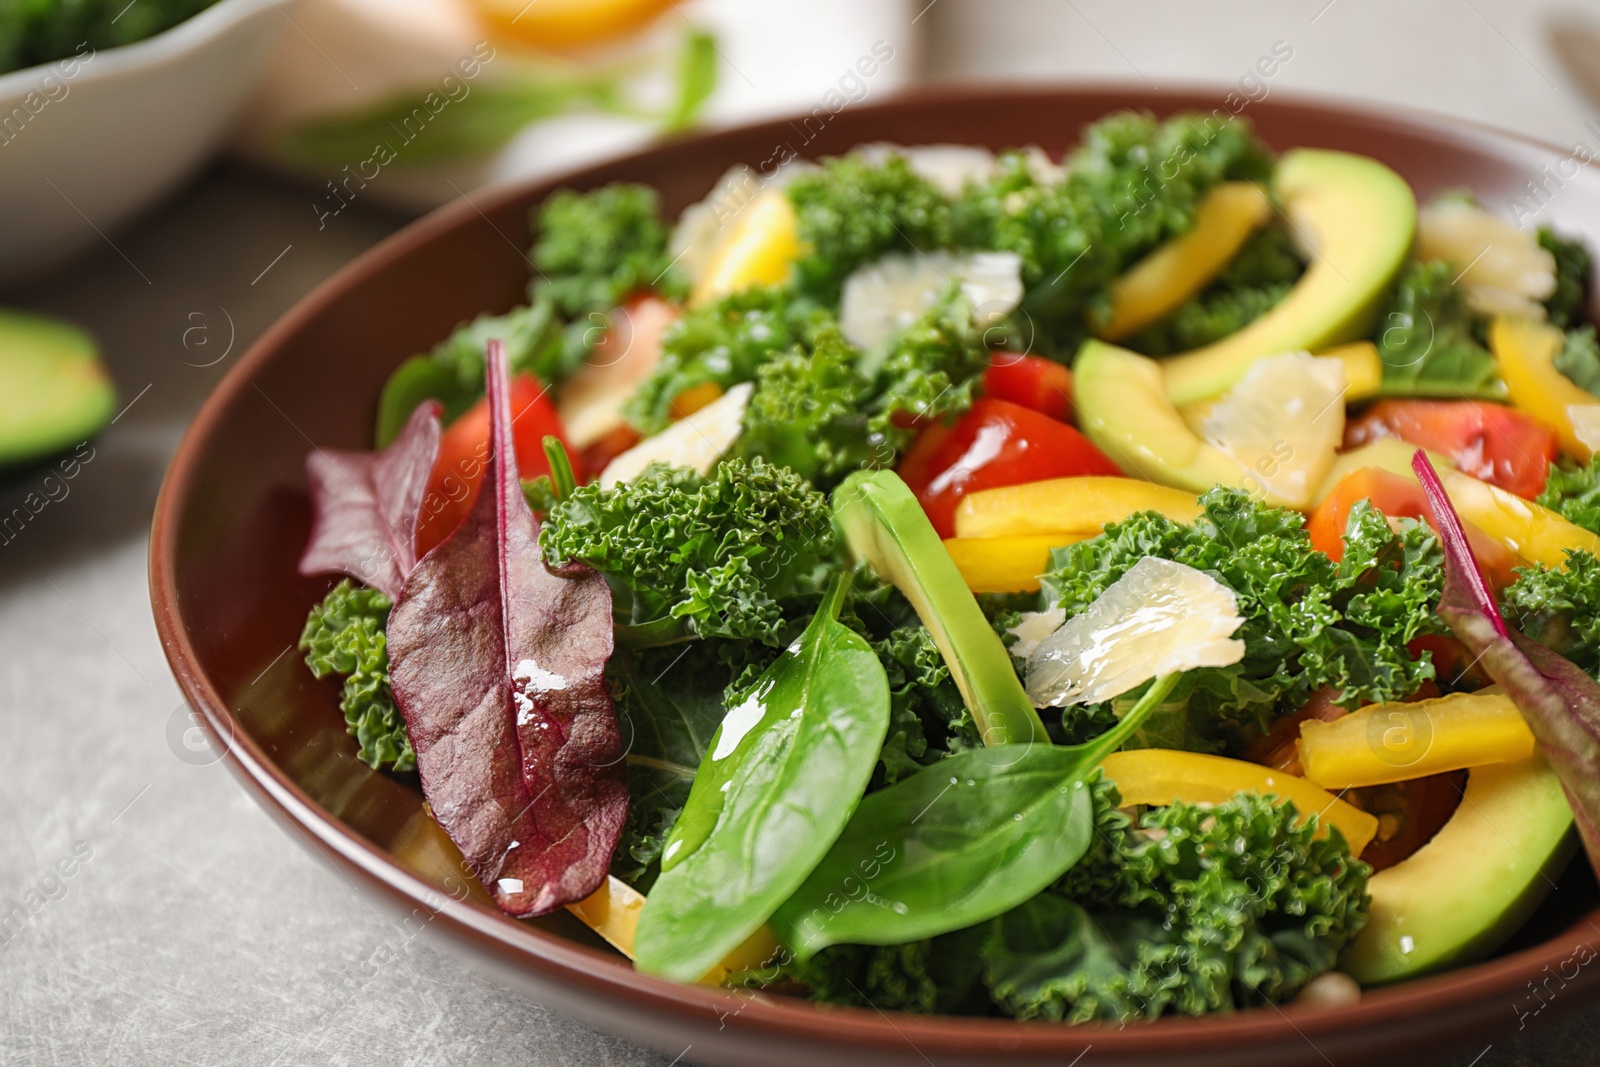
{"x":1067,"y":505}
{"x":1363,"y":370}
{"x":1397,"y":742}
{"x":1535,"y":533}
{"x":612,"y":911}
{"x":1006,"y":564}
{"x":1525,"y":351}
{"x":760,"y":248}
{"x":1159,"y":776}
{"x":1158,"y":283}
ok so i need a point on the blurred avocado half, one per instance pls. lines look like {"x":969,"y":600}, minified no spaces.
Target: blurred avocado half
{"x":54,"y":391}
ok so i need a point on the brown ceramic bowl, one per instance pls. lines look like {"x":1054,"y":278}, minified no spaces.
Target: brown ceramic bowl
{"x":232,"y":520}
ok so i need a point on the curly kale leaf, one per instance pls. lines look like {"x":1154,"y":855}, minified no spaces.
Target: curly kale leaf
{"x":808,"y":413}
{"x":1133,"y":183}
{"x":931,"y":370}
{"x":928,"y":718}
{"x":1309,"y":622}
{"x":344,"y":635}
{"x":1579,"y":359}
{"x":853,"y":210}
{"x":1197,"y":908}
{"x":593,"y":249}
{"x":724,"y":343}
{"x":1263,"y":272}
{"x":1559,"y":607}
{"x":1429,"y":340}
{"x":714,"y":556}
{"x":1574,"y":492}
{"x":1567,"y":305}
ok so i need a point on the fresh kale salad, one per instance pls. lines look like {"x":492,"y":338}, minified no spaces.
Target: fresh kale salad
{"x":1158,"y":577}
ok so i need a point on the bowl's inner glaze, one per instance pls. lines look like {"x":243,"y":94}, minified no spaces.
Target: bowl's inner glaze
{"x":236,"y":503}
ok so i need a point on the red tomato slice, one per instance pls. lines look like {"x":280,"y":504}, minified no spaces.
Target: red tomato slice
{"x":1500,"y":445}
{"x":464,"y":450}
{"x":1397,"y":498}
{"x":1041,"y":384}
{"x":1409,"y":814}
{"x":995,"y":443}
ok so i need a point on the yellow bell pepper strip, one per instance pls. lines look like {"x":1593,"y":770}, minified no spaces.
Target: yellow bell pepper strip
{"x":1006,"y":564}
{"x":1067,"y":505}
{"x":1535,"y":533}
{"x":612,"y":911}
{"x":1159,"y":776}
{"x":569,"y":23}
{"x":759,"y":249}
{"x":1526,"y":351}
{"x":1363,"y":370}
{"x":1397,"y":742}
{"x":1179,"y":269}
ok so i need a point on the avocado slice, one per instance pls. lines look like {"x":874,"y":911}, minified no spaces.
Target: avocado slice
{"x":1359,"y":217}
{"x":885,"y":526}
{"x":1460,"y":896}
{"x":1124,"y":410}
{"x":54,"y":391}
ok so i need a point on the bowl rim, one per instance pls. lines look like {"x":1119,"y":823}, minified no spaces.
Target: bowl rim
{"x":190,"y":35}
{"x":597,"y":972}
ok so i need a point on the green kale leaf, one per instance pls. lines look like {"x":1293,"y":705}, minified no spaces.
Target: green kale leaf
{"x":724,"y":343}
{"x":1430,"y":341}
{"x":808,"y":414}
{"x":1579,"y":359}
{"x":930,"y":372}
{"x":1263,"y":272}
{"x":1133,"y":183}
{"x":594,"y":249}
{"x":1309,"y":622}
{"x":344,"y":635}
{"x":719,"y":556}
{"x":1559,"y":607}
{"x":1197,"y":908}
{"x":1567,"y":305}
{"x":1574,"y":492}
{"x":852,"y":210}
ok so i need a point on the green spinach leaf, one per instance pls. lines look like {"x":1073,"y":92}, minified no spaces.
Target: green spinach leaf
{"x":788,"y":764}
{"x":957,"y":843}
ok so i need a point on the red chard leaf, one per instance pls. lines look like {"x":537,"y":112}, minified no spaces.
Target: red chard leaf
{"x":366,"y":506}
{"x":497,"y":664}
{"x":1560,"y":702}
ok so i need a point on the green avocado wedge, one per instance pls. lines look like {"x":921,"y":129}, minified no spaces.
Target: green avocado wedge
{"x":885,"y":526}
{"x":1358,"y":217}
{"x":1125,"y":412}
{"x":1460,"y":896}
{"x":54,"y":391}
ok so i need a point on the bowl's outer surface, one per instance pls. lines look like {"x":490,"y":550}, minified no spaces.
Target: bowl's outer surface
{"x":233,"y":515}
{"x":86,"y":146}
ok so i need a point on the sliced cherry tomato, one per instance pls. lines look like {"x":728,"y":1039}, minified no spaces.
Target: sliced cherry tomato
{"x":995,"y":443}
{"x":1500,"y":445}
{"x":1041,"y":384}
{"x":608,"y":448}
{"x":464,"y":449}
{"x":1452,"y":663}
{"x":1409,"y":814}
{"x":1398,"y":498}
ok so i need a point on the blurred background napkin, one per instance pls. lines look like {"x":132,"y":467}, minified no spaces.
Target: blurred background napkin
{"x":425,"y":100}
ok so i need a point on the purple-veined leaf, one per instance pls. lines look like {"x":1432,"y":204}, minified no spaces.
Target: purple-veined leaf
{"x":366,"y":505}
{"x":497,"y":664}
{"x":1560,"y":701}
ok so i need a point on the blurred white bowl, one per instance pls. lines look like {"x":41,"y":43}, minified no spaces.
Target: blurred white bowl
{"x":86,"y":144}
